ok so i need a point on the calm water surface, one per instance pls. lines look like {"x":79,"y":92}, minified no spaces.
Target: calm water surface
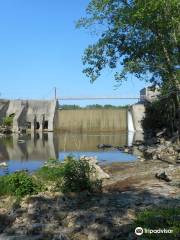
{"x":31,"y":151}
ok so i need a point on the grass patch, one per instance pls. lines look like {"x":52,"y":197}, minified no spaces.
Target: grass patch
{"x":162,"y":218}
{"x":47,"y":173}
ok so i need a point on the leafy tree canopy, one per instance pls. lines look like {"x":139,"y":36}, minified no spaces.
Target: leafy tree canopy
{"x":143,"y":36}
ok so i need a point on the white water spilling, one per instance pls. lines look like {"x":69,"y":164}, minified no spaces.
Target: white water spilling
{"x":131,"y":129}
{"x":130,"y":122}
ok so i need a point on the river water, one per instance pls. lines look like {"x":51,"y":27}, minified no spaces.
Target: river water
{"x":31,"y":151}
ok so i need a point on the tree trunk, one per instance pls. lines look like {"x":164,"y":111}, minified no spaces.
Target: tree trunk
{"x":172,"y":78}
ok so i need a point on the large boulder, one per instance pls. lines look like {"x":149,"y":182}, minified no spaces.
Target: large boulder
{"x":99,"y":173}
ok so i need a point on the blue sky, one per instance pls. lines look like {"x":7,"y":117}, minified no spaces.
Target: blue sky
{"x":40,"y":48}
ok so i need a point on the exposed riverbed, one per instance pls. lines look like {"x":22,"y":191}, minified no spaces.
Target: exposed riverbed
{"x":132,"y":187}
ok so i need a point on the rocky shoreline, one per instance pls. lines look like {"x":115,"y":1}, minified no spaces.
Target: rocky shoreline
{"x":130,"y":188}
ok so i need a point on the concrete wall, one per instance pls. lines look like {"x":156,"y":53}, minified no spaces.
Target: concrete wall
{"x":41,"y":111}
{"x":91,"y":120}
{"x":30,"y":112}
{"x":138,"y":113}
{"x":17,"y":107}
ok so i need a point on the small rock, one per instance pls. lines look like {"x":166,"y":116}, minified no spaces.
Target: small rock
{"x":104,"y":146}
{"x":119,"y":148}
{"x":161,"y":133}
{"x":138,"y":143}
{"x":3,"y":164}
{"x":162,"y":176}
{"x":149,"y":153}
{"x":31,"y":211}
{"x":126,"y":150}
{"x":141,"y":148}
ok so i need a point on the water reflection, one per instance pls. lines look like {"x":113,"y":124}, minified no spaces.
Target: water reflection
{"x":89,"y":142}
{"x":30,"y":151}
{"x":28,"y":147}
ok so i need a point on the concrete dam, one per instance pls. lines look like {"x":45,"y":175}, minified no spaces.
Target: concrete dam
{"x":38,"y":115}
{"x":92,"y":120}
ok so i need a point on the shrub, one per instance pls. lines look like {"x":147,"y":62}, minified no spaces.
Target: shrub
{"x":159,"y":219}
{"x":76,"y":176}
{"x":18,"y":184}
{"x":70,"y":176}
{"x":8,"y":121}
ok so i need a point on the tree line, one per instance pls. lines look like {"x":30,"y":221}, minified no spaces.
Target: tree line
{"x":93,"y":106}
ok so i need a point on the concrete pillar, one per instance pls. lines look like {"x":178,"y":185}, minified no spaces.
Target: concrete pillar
{"x":138,"y":113}
{"x":33,"y":124}
{"x":40,"y":126}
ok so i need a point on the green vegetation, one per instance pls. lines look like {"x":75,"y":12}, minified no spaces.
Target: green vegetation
{"x":8,"y":121}
{"x":70,"y":176}
{"x":18,"y":184}
{"x":163,"y":218}
{"x":155,"y":117}
{"x":52,"y":171}
{"x":143,"y":36}
{"x":93,"y":106}
{"x":69,"y":107}
{"x":49,"y":173}
{"x":161,"y":114}
{"x":77,"y":176}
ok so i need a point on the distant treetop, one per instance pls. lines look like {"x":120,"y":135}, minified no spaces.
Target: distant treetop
{"x":93,"y":106}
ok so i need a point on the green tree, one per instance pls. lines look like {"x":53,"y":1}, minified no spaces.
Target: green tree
{"x":138,"y":37}
{"x":141,"y":35}
{"x":94,"y":106}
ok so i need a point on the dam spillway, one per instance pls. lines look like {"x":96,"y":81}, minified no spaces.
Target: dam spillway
{"x":103,"y":120}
